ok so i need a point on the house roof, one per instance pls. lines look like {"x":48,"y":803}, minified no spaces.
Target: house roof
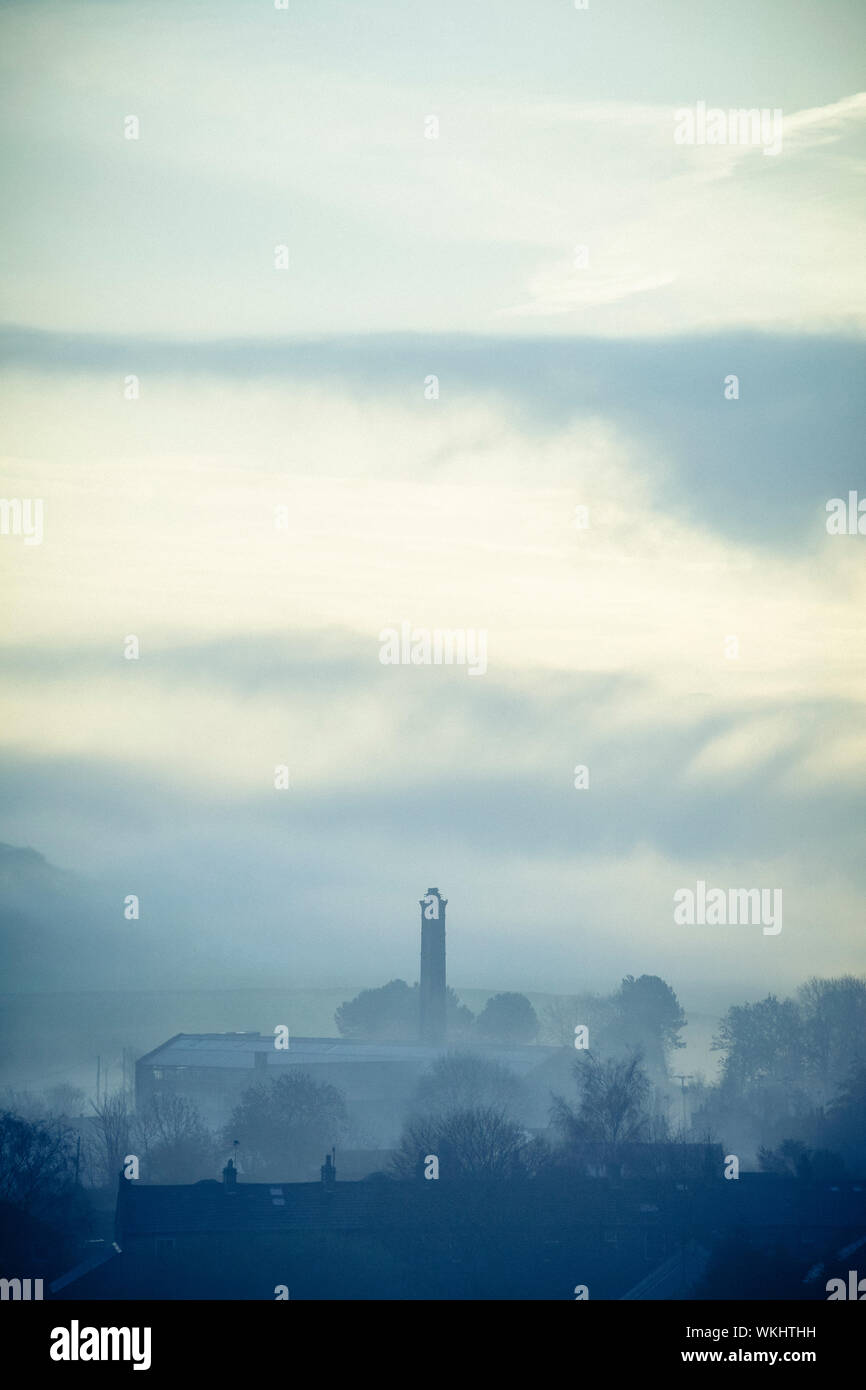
{"x":674,"y":1279}
{"x":770,"y":1199}
{"x":95,"y":1261}
{"x":214,"y":1207}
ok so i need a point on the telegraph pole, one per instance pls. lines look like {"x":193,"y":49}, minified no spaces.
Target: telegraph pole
{"x":678,"y":1076}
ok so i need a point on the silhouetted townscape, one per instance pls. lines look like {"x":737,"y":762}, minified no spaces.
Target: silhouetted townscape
{"x":432,"y":680}
{"x":426,"y":1152}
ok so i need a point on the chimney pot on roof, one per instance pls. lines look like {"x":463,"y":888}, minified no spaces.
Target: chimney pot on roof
{"x":328,"y":1169}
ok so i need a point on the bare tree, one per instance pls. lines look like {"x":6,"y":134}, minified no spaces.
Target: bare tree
{"x":614,"y":1102}
{"x":36,"y":1163}
{"x":111,"y":1137}
{"x":477,"y":1142}
{"x":174,"y":1142}
{"x":464,"y":1081}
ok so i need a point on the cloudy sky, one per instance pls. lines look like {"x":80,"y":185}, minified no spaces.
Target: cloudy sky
{"x":561,"y":385}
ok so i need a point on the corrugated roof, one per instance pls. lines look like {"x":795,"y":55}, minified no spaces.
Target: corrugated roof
{"x":240,"y":1049}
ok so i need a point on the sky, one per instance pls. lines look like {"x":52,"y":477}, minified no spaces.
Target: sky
{"x":285,"y":484}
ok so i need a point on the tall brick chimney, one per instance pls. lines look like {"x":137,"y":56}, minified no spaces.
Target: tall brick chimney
{"x":432,"y":991}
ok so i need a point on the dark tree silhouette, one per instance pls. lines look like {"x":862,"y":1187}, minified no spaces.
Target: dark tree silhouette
{"x":508,"y":1018}
{"x":650,"y":1017}
{"x":763,"y":1043}
{"x":834,"y":1030}
{"x":390,"y":1013}
{"x":36,"y":1163}
{"x":794,"y":1159}
{"x":463,"y":1081}
{"x":473,"y":1143}
{"x":284,"y":1127}
{"x":44,"y":1214}
{"x":845,"y":1124}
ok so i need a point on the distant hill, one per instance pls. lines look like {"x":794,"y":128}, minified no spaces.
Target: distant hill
{"x":58,"y":931}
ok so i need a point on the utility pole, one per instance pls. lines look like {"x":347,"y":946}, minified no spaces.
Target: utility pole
{"x":678,"y":1076}
{"x":98,"y":1064}
{"x":129,"y":1070}
{"x":685,"y":1206}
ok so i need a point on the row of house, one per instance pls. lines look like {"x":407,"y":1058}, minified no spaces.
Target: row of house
{"x":383,"y":1239}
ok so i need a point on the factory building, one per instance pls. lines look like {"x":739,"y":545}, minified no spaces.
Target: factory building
{"x":377,"y":1078}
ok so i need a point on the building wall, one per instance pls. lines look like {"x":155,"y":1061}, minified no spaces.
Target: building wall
{"x":377,"y":1093}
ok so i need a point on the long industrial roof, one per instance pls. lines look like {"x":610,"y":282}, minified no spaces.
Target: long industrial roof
{"x":239,"y":1050}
